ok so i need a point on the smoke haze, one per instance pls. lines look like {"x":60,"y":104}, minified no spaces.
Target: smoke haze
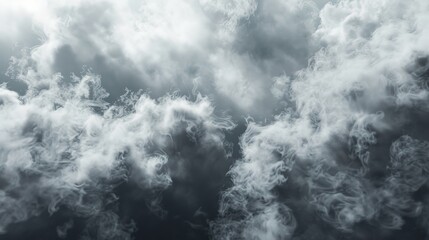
{"x":214,"y":119}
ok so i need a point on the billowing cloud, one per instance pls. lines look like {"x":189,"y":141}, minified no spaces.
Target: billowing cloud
{"x":221,"y":48}
{"x":239,"y":119}
{"x":63,"y":146}
{"x":348,"y":151}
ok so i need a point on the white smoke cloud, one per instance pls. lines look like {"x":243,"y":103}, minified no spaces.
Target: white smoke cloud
{"x":166,"y":45}
{"x":361,"y":73}
{"x":63,"y":146}
{"x":338,"y":91}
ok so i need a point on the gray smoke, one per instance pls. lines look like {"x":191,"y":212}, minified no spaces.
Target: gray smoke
{"x":63,"y":146}
{"x":326,"y":154}
{"x":197,"y":119}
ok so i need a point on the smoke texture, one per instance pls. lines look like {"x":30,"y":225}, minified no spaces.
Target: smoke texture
{"x":214,"y":119}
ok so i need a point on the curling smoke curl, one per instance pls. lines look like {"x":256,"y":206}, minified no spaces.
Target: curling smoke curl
{"x":63,"y":146}
{"x":358,"y":90}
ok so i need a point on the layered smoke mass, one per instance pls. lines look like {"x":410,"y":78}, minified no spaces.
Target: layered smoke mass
{"x":214,"y":119}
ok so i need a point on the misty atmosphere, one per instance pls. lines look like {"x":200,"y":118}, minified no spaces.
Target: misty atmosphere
{"x":214,"y":119}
